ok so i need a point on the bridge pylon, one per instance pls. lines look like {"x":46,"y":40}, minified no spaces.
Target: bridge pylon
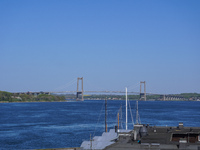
{"x":79,"y":92}
{"x":143,"y":95}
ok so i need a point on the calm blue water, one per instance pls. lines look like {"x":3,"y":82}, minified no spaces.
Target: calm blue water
{"x":67,"y":124}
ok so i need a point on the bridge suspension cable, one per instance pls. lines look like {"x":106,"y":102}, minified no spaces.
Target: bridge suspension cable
{"x":133,"y":87}
{"x":65,"y":85}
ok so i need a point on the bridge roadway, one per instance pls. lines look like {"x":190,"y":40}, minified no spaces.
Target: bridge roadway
{"x":96,"y":92}
{"x":117,"y":92}
{"x":120,"y":92}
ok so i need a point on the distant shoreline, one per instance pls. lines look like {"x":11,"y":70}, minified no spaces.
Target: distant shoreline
{"x":32,"y":101}
{"x":6,"y":97}
{"x":96,"y":100}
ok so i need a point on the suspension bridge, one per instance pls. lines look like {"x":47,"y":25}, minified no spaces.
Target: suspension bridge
{"x":79,"y":92}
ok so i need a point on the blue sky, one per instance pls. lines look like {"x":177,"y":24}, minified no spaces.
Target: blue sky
{"x":112,"y":44}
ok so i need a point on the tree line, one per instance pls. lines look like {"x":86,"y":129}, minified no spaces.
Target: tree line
{"x":11,"y":97}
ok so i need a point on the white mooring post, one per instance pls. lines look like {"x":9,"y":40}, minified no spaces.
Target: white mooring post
{"x":126,"y":112}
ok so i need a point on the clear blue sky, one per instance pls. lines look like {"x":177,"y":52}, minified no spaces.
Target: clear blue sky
{"x":44,"y":44}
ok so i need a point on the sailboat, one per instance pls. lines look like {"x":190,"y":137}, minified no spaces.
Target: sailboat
{"x":107,"y":138}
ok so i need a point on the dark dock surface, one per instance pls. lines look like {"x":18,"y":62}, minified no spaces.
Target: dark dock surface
{"x":160,"y":138}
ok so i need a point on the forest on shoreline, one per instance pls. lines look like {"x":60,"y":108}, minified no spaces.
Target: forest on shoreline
{"x":11,"y":97}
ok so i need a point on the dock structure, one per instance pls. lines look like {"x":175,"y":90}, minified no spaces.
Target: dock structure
{"x":145,"y":137}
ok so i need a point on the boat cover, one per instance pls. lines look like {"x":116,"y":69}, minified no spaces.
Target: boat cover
{"x":100,"y":142}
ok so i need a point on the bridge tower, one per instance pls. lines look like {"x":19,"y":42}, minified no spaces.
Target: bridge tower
{"x":79,"y":92}
{"x":143,"y":95}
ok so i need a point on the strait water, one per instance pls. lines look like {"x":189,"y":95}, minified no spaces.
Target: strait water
{"x":67,"y":124}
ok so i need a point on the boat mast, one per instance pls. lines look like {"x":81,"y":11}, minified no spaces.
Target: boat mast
{"x":106,"y":114}
{"x":137,"y":112}
{"x":118,"y":120}
{"x":126,"y":111}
